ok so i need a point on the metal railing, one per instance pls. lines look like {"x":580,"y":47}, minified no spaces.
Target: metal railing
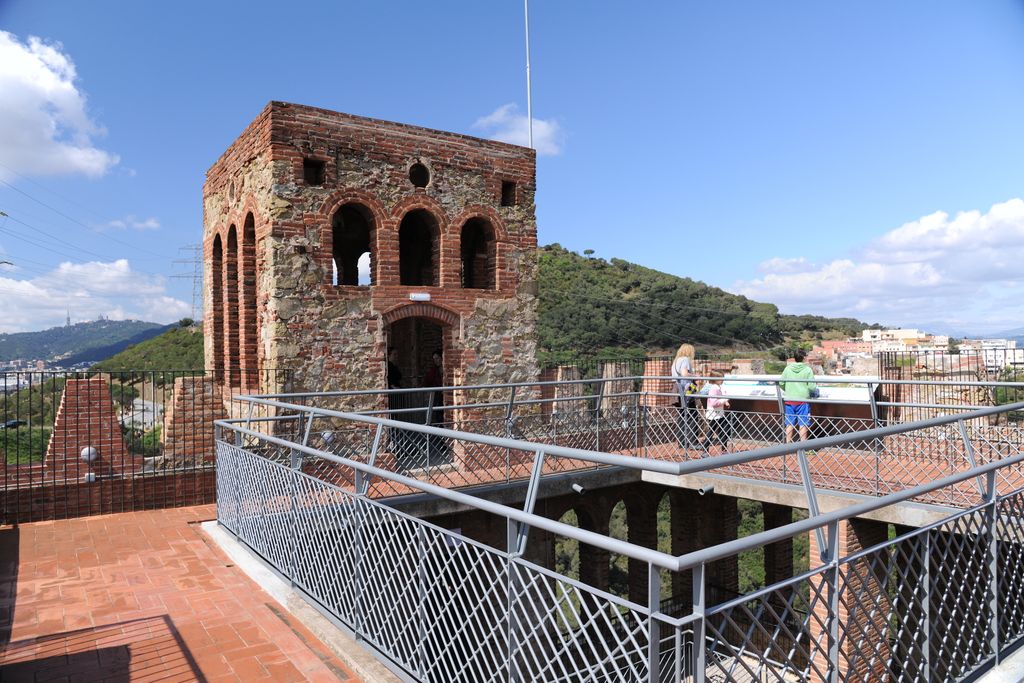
{"x":622,"y":417}
{"x":440,"y":607}
{"x":150,"y":433}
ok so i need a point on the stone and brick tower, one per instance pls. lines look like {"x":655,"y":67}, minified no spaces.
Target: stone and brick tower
{"x":329,"y":238}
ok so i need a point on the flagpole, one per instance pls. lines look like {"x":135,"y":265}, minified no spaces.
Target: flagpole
{"x":529,"y":96}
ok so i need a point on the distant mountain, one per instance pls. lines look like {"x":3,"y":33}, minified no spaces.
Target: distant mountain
{"x":592,"y":305}
{"x":180,"y":348}
{"x":78,"y":343}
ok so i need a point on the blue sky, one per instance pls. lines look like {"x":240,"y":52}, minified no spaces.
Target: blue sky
{"x":859,"y":158}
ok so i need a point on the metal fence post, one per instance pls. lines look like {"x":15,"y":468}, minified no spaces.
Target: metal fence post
{"x":597,"y":415}
{"x":993,"y":564}
{"x":296,"y":465}
{"x":653,"y":627}
{"x":926,"y":611}
{"x":421,"y":609}
{"x":636,"y":424}
{"x":877,"y":442}
{"x":832,"y":574}
{"x":512,"y":539}
{"x":699,"y":625}
{"x":360,"y":616}
{"x":509,"y":417}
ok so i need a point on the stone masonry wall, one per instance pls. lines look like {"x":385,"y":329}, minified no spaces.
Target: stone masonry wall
{"x":335,"y":337}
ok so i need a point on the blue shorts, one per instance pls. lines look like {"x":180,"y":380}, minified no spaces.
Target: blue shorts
{"x":798,"y":414}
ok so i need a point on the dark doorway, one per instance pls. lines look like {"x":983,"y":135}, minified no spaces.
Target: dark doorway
{"x":415,"y":341}
{"x":418,"y":252}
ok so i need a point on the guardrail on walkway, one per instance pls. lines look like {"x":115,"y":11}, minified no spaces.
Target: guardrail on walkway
{"x":440,"y":607}
{"x":75,"y":443}
{"x":624,"y":419}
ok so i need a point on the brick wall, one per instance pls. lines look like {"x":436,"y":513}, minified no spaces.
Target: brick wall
{"x":188,"y":422}
{"x":86,"y":417}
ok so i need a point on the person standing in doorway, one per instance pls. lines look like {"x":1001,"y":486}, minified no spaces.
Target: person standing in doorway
{"x":798,"y":386}
{"x":682,"y":373}
{"x":394,"y":372}
{"x":434,"y":377}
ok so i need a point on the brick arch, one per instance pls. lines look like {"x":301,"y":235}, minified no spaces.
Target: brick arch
{"x":433,"y":312}
{"x":446,"y":271}
{"x":379,"y":236}
{"x":339,"y":198}
{"x":479,"y":269}
{"x":488,"y":214}
{"x":424,"y":202}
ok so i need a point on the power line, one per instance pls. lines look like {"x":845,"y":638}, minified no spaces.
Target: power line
{"x":53,"y":237}
{"x":78,"y":222}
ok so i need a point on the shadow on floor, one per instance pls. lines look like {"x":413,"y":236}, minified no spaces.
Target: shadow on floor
{"x":140,"y":648}
{"x":9,"y":560}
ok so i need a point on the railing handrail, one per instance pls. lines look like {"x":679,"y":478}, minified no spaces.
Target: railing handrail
{"x":638,"y":462}
{"x":768,"y":377}
{"x":664,"y":560}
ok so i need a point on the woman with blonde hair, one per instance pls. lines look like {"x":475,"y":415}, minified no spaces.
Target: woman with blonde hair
{"x":682,"y":373}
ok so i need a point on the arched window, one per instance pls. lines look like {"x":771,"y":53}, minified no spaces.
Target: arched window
{"x":217,"y":287}
{"x":352,"y":230}
{"x":418,"y":249}
{"x":478,"y":254}
{"x":232,"y":362}
{"x":247,"y":297}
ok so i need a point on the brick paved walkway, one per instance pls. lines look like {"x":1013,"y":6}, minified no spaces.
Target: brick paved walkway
{"x":142,"y":596}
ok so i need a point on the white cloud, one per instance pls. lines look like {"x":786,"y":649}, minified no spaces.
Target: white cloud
{"x":133,"y":223}
{"x":89,"y":290}
{"x":44,"y":127}
{"x":960,"y":270}
{"x":507,"y":125}
{"x":785,"y":265}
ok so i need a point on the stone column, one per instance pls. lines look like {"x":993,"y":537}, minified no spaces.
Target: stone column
{"x":594,"y":562}
{"x":87,"y":418}
{"x":719,"y":522}
{"x":700,"y":522}
{"x":863,"y":629}
{"x":657,"y":368}
{"x":778,"y":557}
{"x":642,"y":520}
{"x":188,"y":422}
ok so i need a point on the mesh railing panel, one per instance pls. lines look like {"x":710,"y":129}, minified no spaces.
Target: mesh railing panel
{"x":441,"y":607}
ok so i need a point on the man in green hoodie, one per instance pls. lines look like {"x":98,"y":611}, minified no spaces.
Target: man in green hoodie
{"x":796,"y":393}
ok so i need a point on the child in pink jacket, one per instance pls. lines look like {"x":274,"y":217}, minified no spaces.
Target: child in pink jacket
{"x":718,"y":423}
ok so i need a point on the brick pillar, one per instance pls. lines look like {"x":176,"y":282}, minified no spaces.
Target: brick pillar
{"x":611,"y":372}
{"x":594,"y":562}
{"x":547,"y":392}
{"x":642,"y":521}
{"x":657,"y":368}
{"x":700,"y":522}
{"x":718,"y":523}
{"x":685,"y":521}
{"x":862,"y":631}
{"x":86,"y":417}
{"x":188,"y":422}
{"x":778,"y":557}
{"x":540,"y":548}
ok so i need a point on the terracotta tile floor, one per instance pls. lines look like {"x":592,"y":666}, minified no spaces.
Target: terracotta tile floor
{"x":142,"y":596}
